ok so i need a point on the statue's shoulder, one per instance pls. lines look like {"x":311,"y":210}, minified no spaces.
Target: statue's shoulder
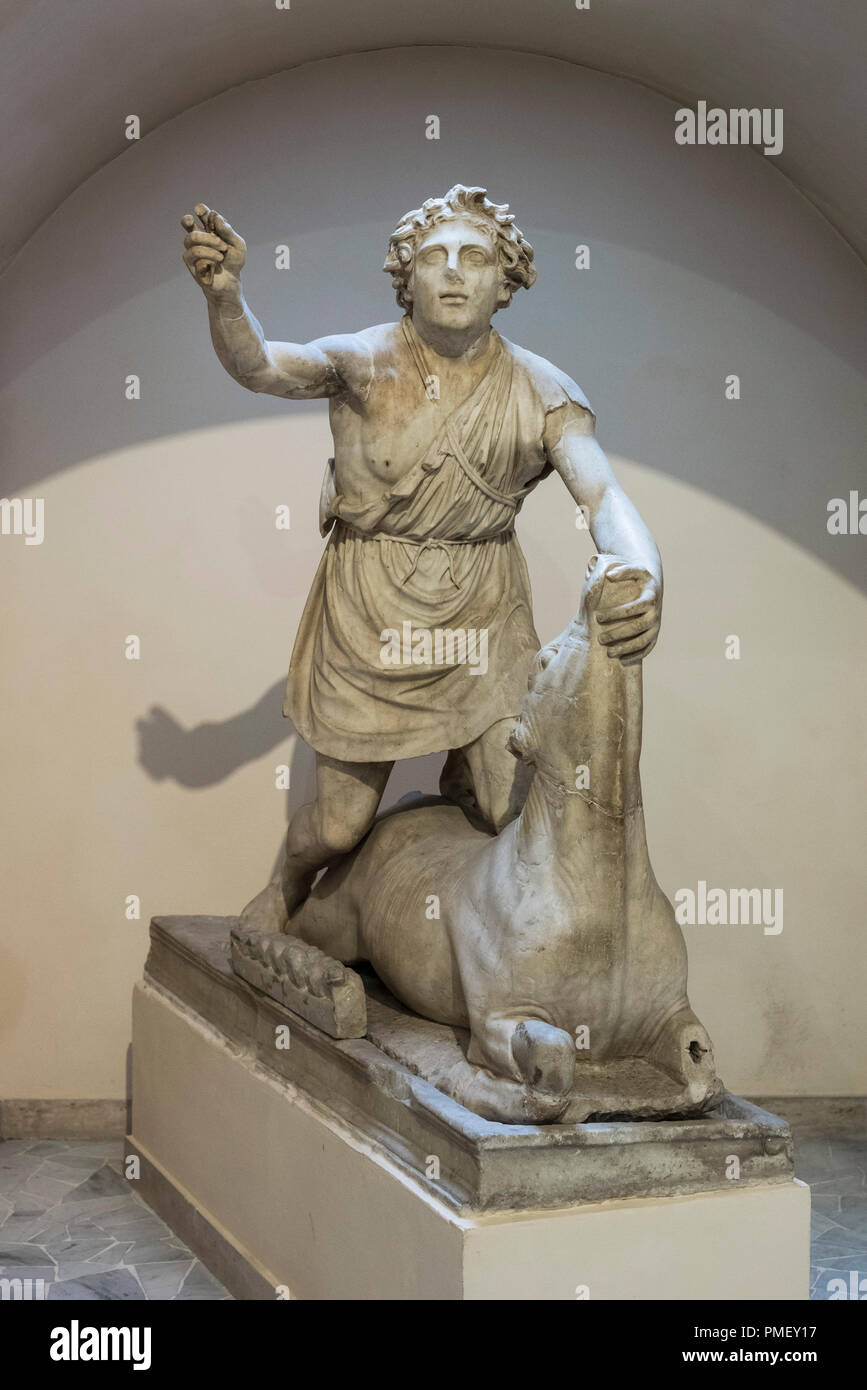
{"x":552,"y":386}
{"x":359,"y":357}
{"x":381,"y":336}
{"x":381,"y":342}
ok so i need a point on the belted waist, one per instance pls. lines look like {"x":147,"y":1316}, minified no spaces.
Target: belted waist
{"x":443,"y":541}
{"x":446,"y":544}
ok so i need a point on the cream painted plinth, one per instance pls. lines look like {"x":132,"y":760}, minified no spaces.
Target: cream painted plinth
{"x":276,"y":1193}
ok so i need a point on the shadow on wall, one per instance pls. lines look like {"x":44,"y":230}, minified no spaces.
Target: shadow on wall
{"x":208,"y":753}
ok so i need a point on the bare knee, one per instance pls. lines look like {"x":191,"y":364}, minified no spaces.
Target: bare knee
{"x":340,"y":833}
{"x":501,"y":795}
{"x":495,"y":807}
{"x":499,"y":780}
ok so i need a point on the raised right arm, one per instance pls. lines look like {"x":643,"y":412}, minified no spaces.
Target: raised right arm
{"x":215,"y":256}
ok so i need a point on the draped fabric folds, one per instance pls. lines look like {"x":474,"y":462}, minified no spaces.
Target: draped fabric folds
{"x":435,"y":554}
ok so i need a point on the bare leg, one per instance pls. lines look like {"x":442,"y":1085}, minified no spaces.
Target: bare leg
{"x":347,"y":798}
{"x":486,"y":774}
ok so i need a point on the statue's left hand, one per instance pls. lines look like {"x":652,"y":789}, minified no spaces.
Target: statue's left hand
{"x":630,"y":623}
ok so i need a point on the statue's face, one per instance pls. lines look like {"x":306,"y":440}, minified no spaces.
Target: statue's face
{"x":456,"y":280}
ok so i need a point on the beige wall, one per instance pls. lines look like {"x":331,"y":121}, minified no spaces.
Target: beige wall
{"x":159,"y":522}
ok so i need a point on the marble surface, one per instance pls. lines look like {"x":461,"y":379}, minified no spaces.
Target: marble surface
{"x":836,"y":1170}
{"x":68,"y":1217}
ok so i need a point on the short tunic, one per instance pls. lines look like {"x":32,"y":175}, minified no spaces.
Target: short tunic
{"x":436,"y":554}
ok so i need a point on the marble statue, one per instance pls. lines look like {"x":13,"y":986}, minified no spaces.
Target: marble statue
{"x":519,"y":909}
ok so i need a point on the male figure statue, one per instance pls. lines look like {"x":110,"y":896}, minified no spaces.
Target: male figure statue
{"x":441,"y":428}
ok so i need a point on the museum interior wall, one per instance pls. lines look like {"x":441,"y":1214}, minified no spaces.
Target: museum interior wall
{"x":156,"y":779}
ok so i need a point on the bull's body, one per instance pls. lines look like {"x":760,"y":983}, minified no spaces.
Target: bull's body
{"x":555,"y":929}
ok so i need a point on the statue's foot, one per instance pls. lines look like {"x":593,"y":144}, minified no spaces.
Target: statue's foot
{"x":545,"y":1056}
{"x":267,"y":912}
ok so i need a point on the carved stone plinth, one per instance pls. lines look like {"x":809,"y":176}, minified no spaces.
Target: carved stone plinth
{"x":483,"y":1165}
{"x":330,"y":1169}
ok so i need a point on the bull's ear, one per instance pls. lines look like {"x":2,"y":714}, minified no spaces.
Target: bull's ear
{"x":594,"y":582}
{"x":518,"y":742}
{"x":542,"y":659}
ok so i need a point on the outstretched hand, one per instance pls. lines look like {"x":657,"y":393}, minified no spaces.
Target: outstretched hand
{"x":630,"y":625}
{"x":214,"y":253}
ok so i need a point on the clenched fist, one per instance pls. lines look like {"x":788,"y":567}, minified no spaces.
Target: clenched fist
{"x":214,"y":254}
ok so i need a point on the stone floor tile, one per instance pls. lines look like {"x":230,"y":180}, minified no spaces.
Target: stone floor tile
{"x":14,"y":1176}
{"x":103,"y":1183}
{"x":200,"y":1284}
{"x":23,"y":1254}
{"x":115,"y":1285}
{"x":45,"y":1273}
{"x":79,"y":1246}
{"x":156,"y":1252}
{"x":819,"y":1224}
{"x":97,"y":1208}
{"x":825,"y":1202}
{"x":840,"y":1185}
{"x":13,"y":1147}
{"x":21,"y":1230}
{"x":131,"y":1215}
{"x":72,"y":1167}
{"x":852,"y":1215}
{"x":826,"y":1284}
{"x":112,"y":1258}
{"x":163,"y":1281}
{"x":51,"y":1189}
{"x":105,"y":1150}
{"x":147,"y":1230}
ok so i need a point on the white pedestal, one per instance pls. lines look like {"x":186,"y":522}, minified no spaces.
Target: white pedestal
{"x":275,"y":1191}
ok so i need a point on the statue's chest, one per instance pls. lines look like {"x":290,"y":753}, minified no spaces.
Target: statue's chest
{"x":393,"y":430}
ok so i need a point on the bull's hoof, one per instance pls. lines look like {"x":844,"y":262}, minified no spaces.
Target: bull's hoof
{"x":545,"y":1057}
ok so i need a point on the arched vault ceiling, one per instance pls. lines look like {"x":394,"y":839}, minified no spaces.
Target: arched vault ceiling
{"x":72,"y":72}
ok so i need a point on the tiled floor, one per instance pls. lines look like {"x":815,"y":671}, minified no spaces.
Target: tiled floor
{"x":67,"y":1217}
{"x":836,"y":1170}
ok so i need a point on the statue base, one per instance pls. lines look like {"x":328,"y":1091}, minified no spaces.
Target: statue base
{"x":296,"y":1164}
